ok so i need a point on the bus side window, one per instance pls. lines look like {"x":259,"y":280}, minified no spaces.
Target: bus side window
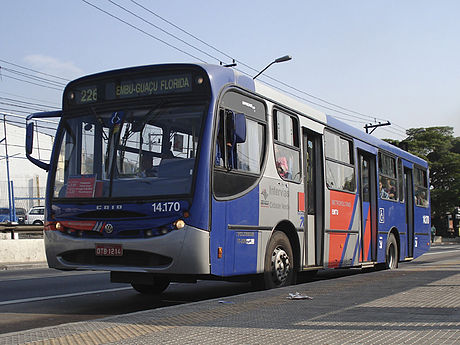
{"x":421,"y":187}
{"x":388,"y":182}
{"x":220,"y":147}
{"x":239,"y":144}
{"x":287,"y":146}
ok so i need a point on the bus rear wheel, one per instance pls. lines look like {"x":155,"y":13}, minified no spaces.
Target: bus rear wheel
{"x":159,"y":285}
{"x":391,"y":261}
{"x":279,"y":262}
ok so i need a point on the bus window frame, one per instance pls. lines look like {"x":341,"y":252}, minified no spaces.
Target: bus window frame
{"x":336,"y":161}
{"x":236,"y":173}
{"x":296,"y":140}
{"x":425,"y":188}
{"x":395,"y":178}
{"x":128,"y":103}
{"x":401,"y":187}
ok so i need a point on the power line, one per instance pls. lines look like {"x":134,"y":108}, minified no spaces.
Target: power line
{"x":28,"y":103}
{"x":358,"y":115}
{"x":47,"y":120}
{"x":22,"y":106}
{"x":253,"y":69}
{"x":30,"y":76}
{"x":23,"y":124}
{"x":143,"y":31}
{"x":32,"y":70}
{"x":30,"y":82}
{"x":17,"y":111}
{"x":182,"y":30}
{"x":164,"y":31}
{"x":28,"y":98}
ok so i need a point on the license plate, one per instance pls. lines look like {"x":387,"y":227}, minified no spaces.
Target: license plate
{"x":109,"y":250}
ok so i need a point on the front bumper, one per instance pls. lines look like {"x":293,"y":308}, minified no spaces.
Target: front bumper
{"x":184,"y":251}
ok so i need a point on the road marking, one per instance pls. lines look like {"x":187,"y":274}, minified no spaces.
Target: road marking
{"x":44,"y":298}
{"x":24,"y":275}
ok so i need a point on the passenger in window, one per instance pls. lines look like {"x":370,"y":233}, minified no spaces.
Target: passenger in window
{"x":421,"y":199}
{"x":424,"y":199}
{"x":281,"y":163}
{"x":391,"y":189}
{"x":383,"y":192}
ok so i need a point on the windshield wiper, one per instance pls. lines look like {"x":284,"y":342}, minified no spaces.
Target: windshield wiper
{"x":101,"y":122}
{"x":116,"y":120}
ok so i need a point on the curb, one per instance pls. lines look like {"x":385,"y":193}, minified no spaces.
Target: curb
{"x":10,"y":266}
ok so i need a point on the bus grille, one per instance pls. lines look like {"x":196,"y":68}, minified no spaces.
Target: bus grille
{"x":133,"y":258}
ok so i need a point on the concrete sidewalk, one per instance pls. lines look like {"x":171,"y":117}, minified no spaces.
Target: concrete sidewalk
{"x":419,"y":303}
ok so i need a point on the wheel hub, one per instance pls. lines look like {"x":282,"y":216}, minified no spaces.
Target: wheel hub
{"x":280,"y":265}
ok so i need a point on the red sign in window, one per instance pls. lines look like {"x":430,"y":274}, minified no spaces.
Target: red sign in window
{"x":81,"y":187}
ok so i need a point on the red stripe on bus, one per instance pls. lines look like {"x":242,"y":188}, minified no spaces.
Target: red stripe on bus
{"x":301,"y":201}
{"x":336,"y":248}
{"x":341,"y":209}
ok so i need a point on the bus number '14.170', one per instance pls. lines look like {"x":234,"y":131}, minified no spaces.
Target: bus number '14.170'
{"x":166,"y":206}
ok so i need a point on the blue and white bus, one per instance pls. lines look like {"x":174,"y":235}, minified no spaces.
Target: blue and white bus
{"x":183,"y":172}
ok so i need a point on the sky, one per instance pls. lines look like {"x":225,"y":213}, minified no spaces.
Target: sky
{"x":359,"y":60}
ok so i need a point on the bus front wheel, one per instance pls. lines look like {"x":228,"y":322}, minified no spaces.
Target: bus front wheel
{"x":159,"y":285}
{"x":391,"y":256}
{"x":279,"y":262}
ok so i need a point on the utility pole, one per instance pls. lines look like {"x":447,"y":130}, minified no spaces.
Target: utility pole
{"x":10,"y":202}
{"x":37,"y":183}
{"x":370,"y":125}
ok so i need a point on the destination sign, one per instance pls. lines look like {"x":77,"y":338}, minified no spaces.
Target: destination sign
{"x":85,"y":95}
{"x":149,"y":86}
{"x":131,"y":88}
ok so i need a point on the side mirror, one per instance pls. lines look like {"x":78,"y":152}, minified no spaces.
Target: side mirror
{"x":30,"y":146}
{"x":30,"y":137}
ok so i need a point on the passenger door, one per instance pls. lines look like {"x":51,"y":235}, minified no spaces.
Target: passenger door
{"x":368,"y":197}
{"x":409,"y":192}
{"x":313,"y":200}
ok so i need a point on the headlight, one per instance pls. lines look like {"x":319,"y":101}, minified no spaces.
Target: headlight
{"x":179,"y":224}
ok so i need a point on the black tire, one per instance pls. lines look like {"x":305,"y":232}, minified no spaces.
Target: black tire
{"x":160,"y":285}
{"x":279,"y":262}
{"x":38,"y":222}
{"x":391,"y":253}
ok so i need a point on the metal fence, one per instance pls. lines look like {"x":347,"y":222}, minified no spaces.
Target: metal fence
{"x":25,"y":196}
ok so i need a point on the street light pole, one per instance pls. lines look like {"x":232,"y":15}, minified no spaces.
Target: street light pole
{"x":280,"y":59}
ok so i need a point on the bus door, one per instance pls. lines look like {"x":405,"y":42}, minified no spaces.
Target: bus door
{"x":313,"y":200}
{"x":368,"y":187}
{"x":409,"y":192}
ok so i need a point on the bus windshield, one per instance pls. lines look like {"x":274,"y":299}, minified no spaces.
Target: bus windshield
{"x":133,"y":152}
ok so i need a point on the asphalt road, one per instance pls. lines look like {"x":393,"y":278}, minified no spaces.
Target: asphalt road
{"x":44,"y":297}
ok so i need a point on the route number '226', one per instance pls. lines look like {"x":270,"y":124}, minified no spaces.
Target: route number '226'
{"x":169,"y":206}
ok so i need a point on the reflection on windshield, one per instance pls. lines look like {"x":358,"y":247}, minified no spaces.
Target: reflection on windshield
{"x":129,"y":153}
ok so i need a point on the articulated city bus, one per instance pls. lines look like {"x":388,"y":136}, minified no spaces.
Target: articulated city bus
{"x":181,"y":172}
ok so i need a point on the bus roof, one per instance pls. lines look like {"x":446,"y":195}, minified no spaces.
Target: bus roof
{"x":220,"y":75}
{"x":319,"y":116}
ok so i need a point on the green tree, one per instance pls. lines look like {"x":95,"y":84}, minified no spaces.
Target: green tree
{"x":441,"y":149}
